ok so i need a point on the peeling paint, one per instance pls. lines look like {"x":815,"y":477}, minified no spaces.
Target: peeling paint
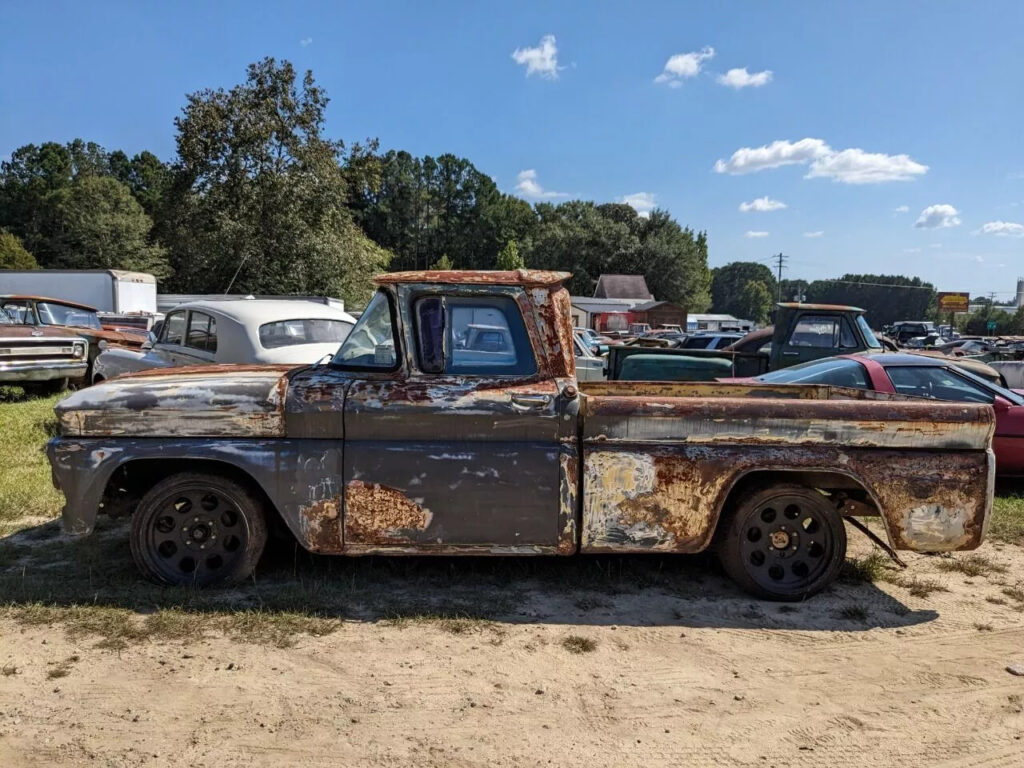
{"x":380,"y":515}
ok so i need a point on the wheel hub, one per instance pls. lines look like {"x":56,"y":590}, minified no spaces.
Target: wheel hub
{"x":780,"y":539}
{"x":198,"y":533}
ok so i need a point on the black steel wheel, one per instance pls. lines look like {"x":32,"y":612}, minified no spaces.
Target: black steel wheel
{"x":198,"y":529}
{"x":784,"y":542}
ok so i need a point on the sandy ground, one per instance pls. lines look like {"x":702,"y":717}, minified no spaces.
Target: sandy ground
{"x":865,"y":674}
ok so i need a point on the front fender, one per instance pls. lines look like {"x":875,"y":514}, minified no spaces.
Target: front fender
{"x":301,"y":478}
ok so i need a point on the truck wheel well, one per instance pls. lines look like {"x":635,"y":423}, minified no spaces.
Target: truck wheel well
{"x":833,"y":483}
{"x":130,"y":482}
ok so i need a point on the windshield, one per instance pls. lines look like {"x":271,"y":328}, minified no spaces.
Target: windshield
{"x":869,"y":335}
{"x":288,"y":333}
{"x":1004,"y":393}
{"x":62,"y":314}
{"x":840,"y":371}
{"x":5,"y":319}
{"x":371,"y":343}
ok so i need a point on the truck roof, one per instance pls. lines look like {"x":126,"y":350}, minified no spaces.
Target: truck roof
{"x":31,"y":297}
{"x":831,"y":307}
{"x":530,"y":277}
{"x":120,"y":274}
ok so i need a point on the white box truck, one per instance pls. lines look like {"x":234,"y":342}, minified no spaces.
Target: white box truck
{"x":111,"y":291}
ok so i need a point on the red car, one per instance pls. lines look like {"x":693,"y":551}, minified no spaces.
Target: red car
{"x":923,"y":377}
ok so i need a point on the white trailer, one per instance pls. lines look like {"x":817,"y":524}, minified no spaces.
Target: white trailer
{"x":111,"y":291}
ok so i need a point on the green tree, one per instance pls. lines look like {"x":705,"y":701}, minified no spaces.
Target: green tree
{"x":444,"y":263}
{"x":259,"y":201}
{"x":728,"y":282}
{"x":755,"y":302}
{"x":13,"y":254}
{"x":509,"y":257}
{"x":100,"y":225}
{"x":885,"y":298}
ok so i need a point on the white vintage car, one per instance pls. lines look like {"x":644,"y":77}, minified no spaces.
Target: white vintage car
{"x":234,"y":331}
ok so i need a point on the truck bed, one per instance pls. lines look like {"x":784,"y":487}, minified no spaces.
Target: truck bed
{"x":659,"y":460}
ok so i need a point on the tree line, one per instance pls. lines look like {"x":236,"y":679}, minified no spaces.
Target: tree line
{"x":258,"y":199}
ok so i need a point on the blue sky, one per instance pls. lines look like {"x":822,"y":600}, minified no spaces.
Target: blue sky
{"x":869,"y":108}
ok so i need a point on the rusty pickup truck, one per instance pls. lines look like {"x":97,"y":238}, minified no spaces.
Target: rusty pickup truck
{"x":410,"y":441}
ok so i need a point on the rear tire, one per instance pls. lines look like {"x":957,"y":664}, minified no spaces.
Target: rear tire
{"x":198,"y":529}
{"x":785,"y":542}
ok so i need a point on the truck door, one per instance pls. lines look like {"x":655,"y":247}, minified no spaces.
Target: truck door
{"x":460,"y":450}
{"x":817,"y":335}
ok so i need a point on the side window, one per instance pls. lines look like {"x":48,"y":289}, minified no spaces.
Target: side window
{"x":202,"y":332}
{"x":371,"y":344}
{"x":818,"y":331}
{"x":173,"y":331}
{"x":479,"y":336}
{"x":487,"y":336}
{"x":21,"y":312}
{"x":938,"y":383}
{"x":847,"y":340}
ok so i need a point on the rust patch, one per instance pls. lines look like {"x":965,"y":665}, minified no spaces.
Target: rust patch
{"x":321,"y":525}
{"x":568,"y":508}
{"x":378,"y":514}
{"x":526,"y":277}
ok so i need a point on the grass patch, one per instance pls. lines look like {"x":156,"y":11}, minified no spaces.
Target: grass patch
{"x":971,"y":565}
{"x":870,"y":568}
{"x":579,"y":644}
{"x":1015,"y":593}
{"x":983,"y":627}
{"x":61,"y":669}
{"x":916,"y":585}
{"x":1007,"y":523}
{"x":25,"y":487}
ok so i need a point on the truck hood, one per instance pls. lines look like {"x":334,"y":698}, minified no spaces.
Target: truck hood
{"x":37,"y":333}
{"x":205,"y":401}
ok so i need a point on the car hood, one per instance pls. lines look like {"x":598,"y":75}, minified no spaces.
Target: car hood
{"x":204,"y":401}
{"x":37,"y":332}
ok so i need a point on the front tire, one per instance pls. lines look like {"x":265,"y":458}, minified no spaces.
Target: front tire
{"x":198,"y":529}
{"x":785,"y":542}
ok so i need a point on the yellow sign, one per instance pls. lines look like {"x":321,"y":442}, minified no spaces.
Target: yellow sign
{"x":954,"y":302}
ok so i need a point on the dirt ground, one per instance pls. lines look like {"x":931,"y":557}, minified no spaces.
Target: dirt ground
{"x":683,"y":671}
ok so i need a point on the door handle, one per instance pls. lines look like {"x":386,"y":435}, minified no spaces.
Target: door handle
{"x":791,"y":354}
{"x":531,"y":401}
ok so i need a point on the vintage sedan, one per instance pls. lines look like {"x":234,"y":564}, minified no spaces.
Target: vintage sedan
{"x":234,"y":331}
{"x":922,"y":376}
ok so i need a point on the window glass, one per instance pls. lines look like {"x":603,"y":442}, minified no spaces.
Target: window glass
{"x":288,"y":333}
{"x":939,"y":383}
{"x":20,"y":312}
{"x":869,"y":335}
{"x":816,"y":331}
{"x":5,"y":319}
{"x":61,"y":314}
{"x":371,"y":343}
{"x":174,"y":329}
{"x":430,"y":333}
{"x":202,"y":332}
{"x":487,"y":336}
{"x":841,"y":372}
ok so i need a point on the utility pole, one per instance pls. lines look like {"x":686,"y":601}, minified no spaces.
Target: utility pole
{"x":781,"y":259}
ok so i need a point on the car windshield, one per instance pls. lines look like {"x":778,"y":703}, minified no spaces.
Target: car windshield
{"x":62,"y":314}
{"x":371,"y":343}
{"x":841,"y":371}
{"x":288,"y":333}
{"x":5,"y":319}
{"x":1004,"y":393}
{"x":869,"y":335}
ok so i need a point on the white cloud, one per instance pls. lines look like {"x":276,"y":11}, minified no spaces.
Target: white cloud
{"x":528,"y":186}
{"x":978,"y":258}
{"x":752,"y":233}
{"x":901,"y":209}
{"x":306,"y":41}
{"x":938,"y":217}
{"x":762,"y":205}
{"x":740,"y":78}
{"x":911,"y":250}
{"x":849,"y":166}
{"x":774,"y":155}
{"x":855,"y":166}
{"x":935,"y":245}
{"x":819,"y":233}
{"x":642,"y":202}
{"x":1002,"y":229}
{"x":542,"y":60}
{"x":683,"y":66}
